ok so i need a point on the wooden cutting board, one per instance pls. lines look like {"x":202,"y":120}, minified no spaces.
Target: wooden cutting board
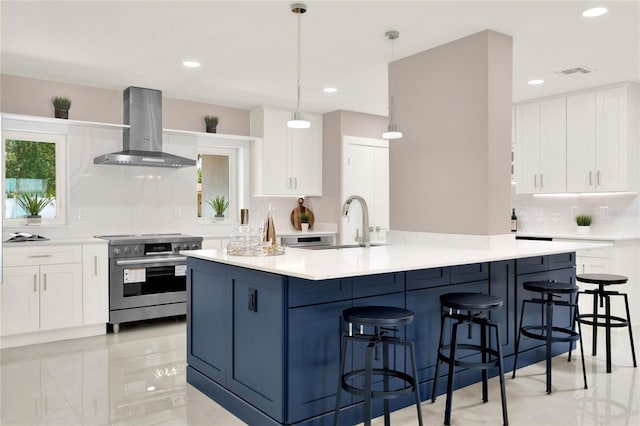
{"x":295,"y":215}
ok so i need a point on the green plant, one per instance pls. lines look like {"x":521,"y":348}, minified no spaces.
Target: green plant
{"x":61,"y":103}
{"x":32,"y":203}
{"x":211,"y":120}
{"x":218,"y":204}
{"x":583,"y":220}
{"x":304,"y":218}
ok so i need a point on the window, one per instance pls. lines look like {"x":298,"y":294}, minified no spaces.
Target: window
{"x":34,"y":165}
{"x":217,"y":178}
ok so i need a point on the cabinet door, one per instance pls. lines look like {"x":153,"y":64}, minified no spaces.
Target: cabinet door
{"x":305,"y":158}
{"x":275,"y":176}
{"x":95,"y":284}
{"x":553,"y":144}
{"x":611,"y":140}
{"x":314,"y":359}
{"x":60,"y":296}
{"x":20,"y":300}
{"x":527,"y":147}
{"x":581,"y":139}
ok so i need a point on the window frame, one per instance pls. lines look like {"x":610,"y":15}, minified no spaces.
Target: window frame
{"x":60,"y":141}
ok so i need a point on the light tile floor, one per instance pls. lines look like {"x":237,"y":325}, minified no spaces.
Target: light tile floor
{"x":137,"y":377}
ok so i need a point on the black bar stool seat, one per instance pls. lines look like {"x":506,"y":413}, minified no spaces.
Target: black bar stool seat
{"x":546,"y":330}
{"x":606,"y":320}
{"x":383,"y":319}
{"x":467,"y":308}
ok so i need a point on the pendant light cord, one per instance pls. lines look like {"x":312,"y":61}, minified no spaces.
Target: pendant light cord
{"x":298,"y":107}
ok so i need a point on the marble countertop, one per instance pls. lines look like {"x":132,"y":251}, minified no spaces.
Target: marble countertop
{"x":338,"y":263}
{"x":53,"y":242}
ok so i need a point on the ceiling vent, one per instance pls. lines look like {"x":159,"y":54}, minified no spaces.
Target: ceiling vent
{"x":576,"y":70}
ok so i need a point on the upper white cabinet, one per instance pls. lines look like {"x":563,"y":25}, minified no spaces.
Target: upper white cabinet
{"x":602,"y":140}
{"x":286,"y":161}
{"x":540,"y":146}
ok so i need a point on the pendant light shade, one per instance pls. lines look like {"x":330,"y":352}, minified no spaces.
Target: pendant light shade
{"x":392,"y":130}
{"x":298,"y":121}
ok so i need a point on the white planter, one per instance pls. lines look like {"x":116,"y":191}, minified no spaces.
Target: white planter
{"x":34,"y":220}
{"x":304,"y":226}
{"x":584,"y":230}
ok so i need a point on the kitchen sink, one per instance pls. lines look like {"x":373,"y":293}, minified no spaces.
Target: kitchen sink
{"x":339,"y":247}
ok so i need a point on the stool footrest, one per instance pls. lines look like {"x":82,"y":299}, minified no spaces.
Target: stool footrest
{"x":391,"y":394}
{"x":570,"y":335}
{"x":589,"y":320}
{"x":469,"y":364}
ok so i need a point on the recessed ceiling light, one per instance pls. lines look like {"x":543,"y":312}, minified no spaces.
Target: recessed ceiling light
{"x":329,"y":90}
{"x":594,"y":11}
{"x":535,"y":82}
{"x":191,"y":64}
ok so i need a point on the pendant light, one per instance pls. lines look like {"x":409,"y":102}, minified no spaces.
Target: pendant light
{"x":298,"y":121}
{"x":392,"y":130}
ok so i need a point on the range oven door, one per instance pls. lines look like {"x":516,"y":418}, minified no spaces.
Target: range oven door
{"x":138,"y":282}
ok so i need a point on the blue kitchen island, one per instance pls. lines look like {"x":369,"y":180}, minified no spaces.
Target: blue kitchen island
{"x":263,"y":333}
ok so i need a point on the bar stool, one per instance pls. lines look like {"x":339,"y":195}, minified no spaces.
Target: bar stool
{"x":610,"y":321}
{"x":468,"y":308}
{"x":546,"y":330}
{"x":383,"y":319}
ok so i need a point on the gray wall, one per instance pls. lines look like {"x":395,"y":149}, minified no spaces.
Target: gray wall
{"x":451,"y":171}
{"x":28,"y":96}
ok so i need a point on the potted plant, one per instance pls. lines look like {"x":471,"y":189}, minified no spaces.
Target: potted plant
{"x":33,"y":205}
{"x":304,"y":221}
{"x":584,"y":223}
{"x":61,"y":107}
{"x":211,"y":122}
{"x":219,"y":205}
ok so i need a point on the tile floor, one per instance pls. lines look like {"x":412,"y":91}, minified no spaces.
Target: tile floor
{"x":138,"y":378}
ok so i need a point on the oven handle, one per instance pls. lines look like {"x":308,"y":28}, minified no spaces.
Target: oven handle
{"x":144,"y":261}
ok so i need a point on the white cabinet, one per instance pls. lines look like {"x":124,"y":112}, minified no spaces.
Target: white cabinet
{"x":286,"y":161}
{"x":95,"y":284}
{"x":42,"y":289}
{"x":540,"y":132}
{"x":601,"y":140}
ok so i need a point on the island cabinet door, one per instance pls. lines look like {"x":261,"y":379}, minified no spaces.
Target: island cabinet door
{"x":314,"y":351}
{"x":425,"y":329}
{"x":533,"y":313}
{"x":502,"y":284}
{"x":209,"y":319}
{"x":256,"y":372}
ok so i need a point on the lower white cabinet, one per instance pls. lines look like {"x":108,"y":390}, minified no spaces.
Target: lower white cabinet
{"x":53,"y":287}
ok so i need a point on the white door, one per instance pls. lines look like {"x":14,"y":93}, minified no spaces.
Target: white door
{"x":581,"y":140}
{"x":60,"y":296}
{"x":527,"y":147}
{"x":274,"y":158}
{"x":20,"y":300}
{"x":305,"y":158}
{"x":365,"y":172}
{"x":553,"y":146}
{"x":611,"y":140}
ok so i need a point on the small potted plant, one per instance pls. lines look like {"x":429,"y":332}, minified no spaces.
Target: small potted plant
{"x":33,"y":205}
{"x":61,"y":107}
{"x":219,"y":205}
{"x":584,"y":223}
{"x":304,"y":221}
{"x":211,"y":123}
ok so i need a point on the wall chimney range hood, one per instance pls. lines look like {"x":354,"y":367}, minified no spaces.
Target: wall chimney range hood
{"x":142,"y":140}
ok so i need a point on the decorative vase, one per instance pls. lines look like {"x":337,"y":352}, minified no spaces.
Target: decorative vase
{"x":34,"y":219}
{"x":584,"y":230}
{"x":62,"y":113}
{"x":211,"y":129}
{"x":304,"y":226}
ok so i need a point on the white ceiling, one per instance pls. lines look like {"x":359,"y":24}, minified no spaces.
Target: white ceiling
{"x":248,"y":49}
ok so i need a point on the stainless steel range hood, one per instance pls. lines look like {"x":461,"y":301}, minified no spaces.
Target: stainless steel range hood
{"x":142,"y":141}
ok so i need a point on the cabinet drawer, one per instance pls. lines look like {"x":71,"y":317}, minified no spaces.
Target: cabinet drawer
{"x":426,"y":278}
{"x":468,"y":273}
{"x":373,"y":285}
{"x":42,"y":255}
{"x":528,"y":265}
{"x":562,"y":260}
{"x":309,"y":292}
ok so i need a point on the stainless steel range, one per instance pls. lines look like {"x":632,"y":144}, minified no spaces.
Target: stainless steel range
{"x":147,"y":276}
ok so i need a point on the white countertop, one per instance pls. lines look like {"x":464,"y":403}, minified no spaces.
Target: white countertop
{"x":593,"y":236}
{"x":327,"y":264}
{"x":54,"y":242}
